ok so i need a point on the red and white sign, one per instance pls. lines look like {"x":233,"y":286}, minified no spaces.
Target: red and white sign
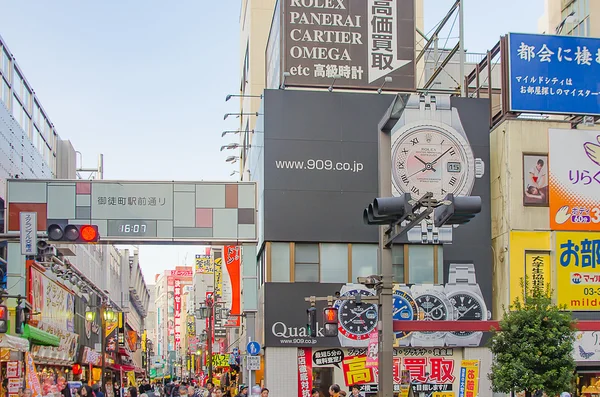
{"x":430,"y":369}
{"x":13,"y":369}
{"x":372,"y":349}
{"x":177,"y":312}
{"x":181,"y":273}
{"x":232,"y":283}
{"x":304,"y":371}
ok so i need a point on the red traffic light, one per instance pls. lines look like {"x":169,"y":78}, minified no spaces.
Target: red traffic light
{"x":73,"y":233}
{"x":3,"y":319}
{"x":330,"y":315}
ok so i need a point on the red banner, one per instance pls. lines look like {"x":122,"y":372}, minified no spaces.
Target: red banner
{"x":233,"y":263}
{"x":305,"y":378}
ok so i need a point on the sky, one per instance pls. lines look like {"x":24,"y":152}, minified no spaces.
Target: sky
{"x":144,"y":81}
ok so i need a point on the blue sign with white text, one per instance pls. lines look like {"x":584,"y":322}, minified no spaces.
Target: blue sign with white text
{"x":554,"y":74}
{"x":253,"y":348}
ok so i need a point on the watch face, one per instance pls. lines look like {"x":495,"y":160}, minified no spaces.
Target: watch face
{"x":357,"y":320}
{"x":432,"y":159}
{"x":468,"y":308}
{"x":432,"y":309}
{"x":405,"y":309}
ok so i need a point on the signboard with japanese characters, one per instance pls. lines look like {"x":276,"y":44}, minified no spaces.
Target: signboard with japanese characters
{"x":357,"y":43}
{"x":578,"y":270}
{"x":554,"y":74}
{"x":128,"y":211}
{"x":574,"y":182}
{"x":305,"y":373}
{"x":428,"y":370}
{"x":177,"y":317}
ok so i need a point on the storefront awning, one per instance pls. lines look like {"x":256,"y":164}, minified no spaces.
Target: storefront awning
{"x":41,"y":338}
{"x":14,"y":343}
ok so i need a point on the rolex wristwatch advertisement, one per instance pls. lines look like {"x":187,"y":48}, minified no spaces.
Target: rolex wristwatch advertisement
{"x":433,"y":306}
{"x":465,"y":296}
{"x":404,"y":309}
{"x":356,"y":319}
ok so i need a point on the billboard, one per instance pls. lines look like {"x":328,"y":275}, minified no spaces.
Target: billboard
{"x":578,"y":270}
{"x":204,"y":264}
{"x":232,"y":283}
{"x":574,"y":182}
{"x":357,"y":43}
{"x":177,"y":312}
{"x":285,"y":325}
{"x":128,"y":211}
{"x":554,"y":74}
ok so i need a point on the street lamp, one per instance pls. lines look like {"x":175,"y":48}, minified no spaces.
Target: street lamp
{"x":206,"y":311}
{"x":106,"y":315}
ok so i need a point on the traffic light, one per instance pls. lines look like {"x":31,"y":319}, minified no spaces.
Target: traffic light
{"x":79,"y":234}
{"x":19,"y":318}
{"x":312,"y":321}
{"x":3,"y":319}
{"x":330,"y":317}
{"x":459,"y":211}
{"x":387,"y":210}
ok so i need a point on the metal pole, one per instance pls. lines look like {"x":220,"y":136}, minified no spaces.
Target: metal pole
{"x":386,"y":335}
{"x":103,"y":346}
{"x":209,"y":339}
{"x":461,"y":38}
{"x":248,"y":365}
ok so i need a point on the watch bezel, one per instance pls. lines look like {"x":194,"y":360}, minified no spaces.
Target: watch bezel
{"x":479,"y":298}
{"x":414,"y":307}
{"x":430,"y":335}
{"x":342,"y":330}
{"x":403,"y":132}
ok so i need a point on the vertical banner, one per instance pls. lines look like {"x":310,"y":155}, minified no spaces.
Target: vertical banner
{"x":233,"y":278}
{"x":537,"y":268}
{"x":304,"y":371}
{"x":177,"y":312}
{"x":372,"y":349}
{"x":170,"y":314}
{"x":218,"y":275}
{"x":469,"y":378}
{"x":32,"y":382}
{"x":204,"y":264}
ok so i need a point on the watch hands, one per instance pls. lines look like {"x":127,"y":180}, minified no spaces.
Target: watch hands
{"x":398,"y":310}
{"x":465,"y":311}
{"x":440,"y":156}
{"x":425,"y":164}
{"x":415,"y":173}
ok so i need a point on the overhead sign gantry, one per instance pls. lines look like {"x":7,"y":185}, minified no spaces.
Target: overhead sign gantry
{"x":128,"y":212}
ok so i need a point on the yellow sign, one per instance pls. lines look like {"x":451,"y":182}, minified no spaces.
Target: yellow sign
{"x":444,"y":394}
{"x":220,"y":360}
{"x":469,"y":378}
{"x":529,"y":255}
{"x":578,"y":270}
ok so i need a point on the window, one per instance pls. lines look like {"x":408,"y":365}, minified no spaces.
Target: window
{"x":364,"y":260}
{"x":5,"y":93}
{"x":17,"y":83}
{"x":420,"y":264}
{"x":334,"y":263}
{"x":280,"y":262}
{"x":306,"y":266}
{"x":398,"y":263}
{"x":5,"y":64}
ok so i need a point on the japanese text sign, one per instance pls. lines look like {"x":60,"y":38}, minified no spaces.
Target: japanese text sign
{"x":538,"y":272}
{"x":469,"y":378}
{"x":578,"y":270}
{"x":554,"y":74}
{"x":177,"y":316}
{"x":574,"y":183}
{"x":357,"y":43}
{"x":328,"y":357}
{"x":305,"y":377}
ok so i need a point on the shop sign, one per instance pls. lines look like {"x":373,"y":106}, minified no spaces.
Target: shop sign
{"x":537,"y":267}
{"x":13,"y":369}
{"x":91,"y":356}
{"x":232,"y":283}
{"x":218,"y":277}
{"x":180,"y":273}
{"x":55,"y":303}
{"x":469,"y":378}
{"x":220,"y":360}
{"x":65,"y":352}
{"x":177,"y":312}
{"x":328,"y":356}
{"x":305,"y":380}
{"x":587,"y":346}
{"x":578,"y":270}
{"x":204,"y":264}
{"x":574,"y":182}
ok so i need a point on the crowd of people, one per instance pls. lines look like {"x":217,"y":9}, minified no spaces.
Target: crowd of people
{"x":185,"y":389}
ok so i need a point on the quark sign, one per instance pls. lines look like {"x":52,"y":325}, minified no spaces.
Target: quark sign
{"x":356,"y":42}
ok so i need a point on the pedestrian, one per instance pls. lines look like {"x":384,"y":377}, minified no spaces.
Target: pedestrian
{"x":264,"y":392}
{"x":97,"y":391}
{"x":243,"y":391}
{"x":334,"y":390}
{"x":315,"y":393}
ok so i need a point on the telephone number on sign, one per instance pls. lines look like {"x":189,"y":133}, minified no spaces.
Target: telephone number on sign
{"x":591,"y":291}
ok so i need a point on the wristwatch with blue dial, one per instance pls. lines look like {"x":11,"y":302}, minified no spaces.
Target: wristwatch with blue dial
{"x":404,"y":309}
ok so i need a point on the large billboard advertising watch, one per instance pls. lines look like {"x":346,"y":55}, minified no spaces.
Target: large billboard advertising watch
{"x":554,"y":74}
{"x":357,"y":43}
{"x":574,"y":182}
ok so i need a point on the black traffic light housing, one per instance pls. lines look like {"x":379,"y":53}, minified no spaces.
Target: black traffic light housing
{"x":19,"y":318}
{"x":330,"y":321}
{"x":388,"y":210}
{"x":459,"y":211}
{"x":311,"y":324}
{"x":78,"y":234}
{"x":3,"y":319}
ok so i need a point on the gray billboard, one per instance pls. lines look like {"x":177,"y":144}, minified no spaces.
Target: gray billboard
{"x":359,"y":41}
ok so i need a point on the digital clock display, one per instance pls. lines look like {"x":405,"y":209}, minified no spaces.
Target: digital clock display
{"x":126,"y":228}
{"x":453,"y":166}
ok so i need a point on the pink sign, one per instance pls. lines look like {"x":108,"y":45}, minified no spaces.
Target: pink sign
{"x":373,"y":349}
{"x":305,"y":378}
{"x":177,"y":313}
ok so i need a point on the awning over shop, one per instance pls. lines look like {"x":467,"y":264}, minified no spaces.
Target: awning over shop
{"x":38,"y":337}
{"x":121,"y":367}
{"x":14,"y":343}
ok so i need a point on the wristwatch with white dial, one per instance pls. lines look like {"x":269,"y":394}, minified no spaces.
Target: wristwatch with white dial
{"x":356,"y":320}
{"x":465,"y":296}
{"x":433,"y":306}
{"x":431,"y":151}
{"x":404,"y":309}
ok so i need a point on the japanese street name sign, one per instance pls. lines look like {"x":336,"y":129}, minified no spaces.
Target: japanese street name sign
{"x":554,"y":74}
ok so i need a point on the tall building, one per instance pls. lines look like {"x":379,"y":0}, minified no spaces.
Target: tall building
{"x":571,"y":18}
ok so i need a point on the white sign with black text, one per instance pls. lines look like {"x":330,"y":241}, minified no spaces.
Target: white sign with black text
{"x":28,"y":233}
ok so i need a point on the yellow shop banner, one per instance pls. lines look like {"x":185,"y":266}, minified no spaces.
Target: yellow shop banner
{"x":578,"y":270}
{"x":529,"y":255}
